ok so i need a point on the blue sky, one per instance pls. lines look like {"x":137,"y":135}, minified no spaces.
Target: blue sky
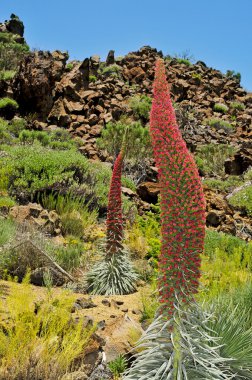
{"x":218,"y":32}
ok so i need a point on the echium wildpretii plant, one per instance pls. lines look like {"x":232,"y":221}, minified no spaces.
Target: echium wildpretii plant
{"x":115,"y":273}
{"x":114,"y":215}
{"x":182,"y":200}
{"x":178,"y":344}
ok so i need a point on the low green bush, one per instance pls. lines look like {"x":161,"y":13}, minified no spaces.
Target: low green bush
{"x":92,"y":78}
{"x":7,"y":231}
{"x":141,"y":106}
{"x":220,"y":124}
{"x":223,"y":185}
{"x":69,"y":67}
{"x":184,"y":61}
{"x":242,"y":200}
{"x":111,"y":70}
{"x":127,"y":182}
{"x":118,"y":366}
{"x":139,"y":146}
{"x":59,"y":139}
{"x":11,"y":53}
{"x":6,"y":202}
{"x":219,"y":107}
{"x":68,"y":257}
{"x":248,"y":174}
{"x":234,"y":75}
{"x":237,"y":106}
{"x":8,"y":103}
{"x":210,"y":158}
{"x":30,"y":170}
{"x":39,"y":338}
{"x":226,"y":264}
{"x":7,"y":74}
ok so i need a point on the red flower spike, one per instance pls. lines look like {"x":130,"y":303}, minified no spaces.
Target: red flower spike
{"x":182,"y":199}
{"x":114,"y":215}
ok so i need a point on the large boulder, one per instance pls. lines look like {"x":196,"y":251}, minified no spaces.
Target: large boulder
{"x":35,"y":81}
{"x":15,"y":26}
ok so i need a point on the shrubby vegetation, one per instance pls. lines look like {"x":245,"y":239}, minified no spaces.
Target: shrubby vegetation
{"x":219,"y":107}
{"x":30,"y":170}
{"x":226,"y":264}
{"x":242,"y":200}
{"x":39,"y":339}
{"x":220,"y":124}
{"x":210,"y":158}
{"x":141,"y":106}
{"x":226,"y":185}
{"x":138,"y":149}
{"x":11,"y":52}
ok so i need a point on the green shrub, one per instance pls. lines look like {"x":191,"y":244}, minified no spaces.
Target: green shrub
{"x":69,"y":67}
{"x":39,"y":339}
{"x":141,"y":106}
{"x":143,"y":236}
{"x":34,"y":168}
{"x":7,"y":231}
{"x":118,"y":366}
{"x":242,"y":200}
{"x":220,"y":124}
{"x":184,"y":61}
{"x":59,"y":139}
{"x":234,"y":75}
{"x":223,"y":185}
{"x":68,"y":257}
{"x":248,"y":175}
{"x":16,"y":125}
{"x":111,"y":70}
{"x":72,"y":224}
{"x":127,"y":182}
{"x":210,"y":158}
{"x":6,"y":202}
{"x":5,"y":136}
{"x":226,"y":264}
{"x":237,"y":106}
{"x":197,"y":76}
{"x":92,"y":78}
{"x":6,"y":37}
{"x":8,"y":103}
{"x":219,"y":107}
{"x":11,"y":53}
{"x":150,"y":304}
{"x":28,"y":137}
{"x":7,"y":74}
{"x":139,"y":146}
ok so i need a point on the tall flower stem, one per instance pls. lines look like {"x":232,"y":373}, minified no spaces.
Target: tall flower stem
{"x":182,"y":200}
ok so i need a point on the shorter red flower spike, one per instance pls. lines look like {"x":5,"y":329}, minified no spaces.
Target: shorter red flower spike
{"x":182,"y":200}
{"x":114,"y":215}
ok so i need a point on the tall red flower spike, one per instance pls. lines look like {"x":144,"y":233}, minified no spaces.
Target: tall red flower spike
{"x":182,"y":200}
{"x":114,"y":215}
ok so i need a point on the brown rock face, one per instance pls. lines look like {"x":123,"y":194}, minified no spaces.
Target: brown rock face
{"x":36,"y":215}
{"x":35,"y":81}
{"x":148,"y":191}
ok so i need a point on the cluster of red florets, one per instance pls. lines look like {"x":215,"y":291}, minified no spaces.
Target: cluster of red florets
{"x":114,"y":215}
{"x":182,"y":199}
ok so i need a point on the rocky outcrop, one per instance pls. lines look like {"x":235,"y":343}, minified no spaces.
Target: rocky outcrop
{"x":35,"y":81}
{"x":13,"y":26}
{"x":48,"y":221}
{"x":85,"y":105}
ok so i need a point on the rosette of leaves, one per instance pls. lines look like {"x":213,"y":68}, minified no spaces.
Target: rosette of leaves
{"x":194,"y":344}
{"x":113,"y":275}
